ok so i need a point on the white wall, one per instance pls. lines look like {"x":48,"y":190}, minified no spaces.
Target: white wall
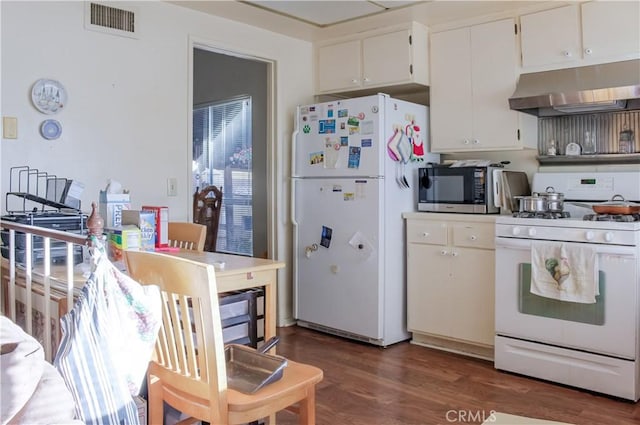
{"x":128,"y":110}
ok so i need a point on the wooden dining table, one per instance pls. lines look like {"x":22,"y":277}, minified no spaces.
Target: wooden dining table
{"x":233,"y":273}
{"x":237,"y":272}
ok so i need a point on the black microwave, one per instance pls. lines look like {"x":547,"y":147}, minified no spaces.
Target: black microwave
{"x":442,"y":188}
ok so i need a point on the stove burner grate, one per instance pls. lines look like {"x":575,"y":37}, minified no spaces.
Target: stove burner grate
{"x":628,"y":218}
{"x":541,"y":214}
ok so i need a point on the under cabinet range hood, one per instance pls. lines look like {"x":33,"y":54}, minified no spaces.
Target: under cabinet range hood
{"x":594,"y":88}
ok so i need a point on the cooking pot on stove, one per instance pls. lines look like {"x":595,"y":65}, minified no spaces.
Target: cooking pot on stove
{"x":555,"y":200}
{"x":532,"y":204}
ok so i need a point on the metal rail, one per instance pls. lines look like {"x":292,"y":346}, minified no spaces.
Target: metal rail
{"x":32,"y":282}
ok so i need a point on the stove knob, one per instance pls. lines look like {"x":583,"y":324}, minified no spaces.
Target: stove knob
{"x":589,"y":235}
{"x":608,"y":236}
{"x":515,"y":231}
{"x":532,"y":232}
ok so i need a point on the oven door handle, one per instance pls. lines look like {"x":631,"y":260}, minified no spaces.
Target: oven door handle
{"x":525,"y":244}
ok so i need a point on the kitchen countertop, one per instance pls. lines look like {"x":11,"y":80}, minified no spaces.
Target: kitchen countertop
{"x":478,"y":218}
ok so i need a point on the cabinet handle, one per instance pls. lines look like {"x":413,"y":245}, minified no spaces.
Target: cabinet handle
{"x":588,"y":51}
{"x":444,"y":252}
{"x":454,"y":254}
{"x":367,"y":79}
{"x":473,"y":237}
{"x":465,"y":141}
{"x":425,"y":234}
{"x":566,"y":53}
{"x":476,"y":141}
{"x":354,"y":81}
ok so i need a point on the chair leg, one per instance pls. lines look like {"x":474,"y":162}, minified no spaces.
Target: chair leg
{"x":155,"y":400}
{"x":307,"y":409}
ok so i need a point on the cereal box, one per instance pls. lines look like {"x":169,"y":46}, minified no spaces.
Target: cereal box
{"x":162,"y":224}
{"x":146,"y":222}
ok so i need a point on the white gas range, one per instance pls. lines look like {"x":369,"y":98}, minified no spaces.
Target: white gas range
{"x":591,"y":345}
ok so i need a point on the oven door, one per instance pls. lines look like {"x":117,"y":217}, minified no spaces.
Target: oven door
{"x":606,"y":327}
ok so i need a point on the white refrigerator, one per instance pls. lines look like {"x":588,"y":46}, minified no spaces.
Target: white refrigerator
{"x":354,"y":172}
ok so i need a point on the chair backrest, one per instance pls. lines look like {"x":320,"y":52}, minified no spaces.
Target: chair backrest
{"x":187,"y":235}
{"x":192,"y":363}
{"x":206,"y":210}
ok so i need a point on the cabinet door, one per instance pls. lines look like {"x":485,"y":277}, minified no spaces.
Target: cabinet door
{"x":472,"y":291}
{"x":428,"y":292}
{"x":339,"y":66}
{"x":386,"y":58}
{"x":551,"y":37}
{"x":451,"y":105}
{"x":494,"y":75}
{"x":611,"y":29}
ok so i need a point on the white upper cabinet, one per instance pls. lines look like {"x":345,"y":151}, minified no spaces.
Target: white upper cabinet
{"x":581,"y":34}
{"x":387,"y":58}
{"x":473,"y":73}
{"x":339,"y":66}
{"x":611,"y":30}
{"x":380,"y":58}
{"x":550,"y":37}
{"x":450,"y":91}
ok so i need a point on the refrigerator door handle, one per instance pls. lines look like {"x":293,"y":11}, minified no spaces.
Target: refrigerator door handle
{"x":294,"y":265}
{"x":294,"y":137}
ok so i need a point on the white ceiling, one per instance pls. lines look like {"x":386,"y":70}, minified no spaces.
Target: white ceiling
{"x":324,"y":13}
{"x":314,"y":20}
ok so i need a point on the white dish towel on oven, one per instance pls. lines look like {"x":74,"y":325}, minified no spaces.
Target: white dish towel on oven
{"x":566,"y":272}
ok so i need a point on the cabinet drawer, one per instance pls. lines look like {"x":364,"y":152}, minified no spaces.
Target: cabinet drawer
{"x":476,"y":235}
{"x":426,"y":232}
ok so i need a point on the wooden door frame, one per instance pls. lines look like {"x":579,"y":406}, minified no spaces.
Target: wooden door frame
{"x":271,"y":148}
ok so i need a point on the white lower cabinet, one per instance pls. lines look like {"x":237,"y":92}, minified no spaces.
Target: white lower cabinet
{"x":450,"y":281}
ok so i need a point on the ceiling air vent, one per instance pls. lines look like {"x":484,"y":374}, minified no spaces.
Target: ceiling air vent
{"x":112,"y":20}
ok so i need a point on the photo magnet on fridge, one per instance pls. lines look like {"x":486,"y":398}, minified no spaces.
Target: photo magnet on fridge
{"x":325,"y":239}
{"x":354,"y":156}
{"x":326,"y":126}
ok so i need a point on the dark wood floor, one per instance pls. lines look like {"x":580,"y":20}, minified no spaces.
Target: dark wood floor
{"x":408,"y":384}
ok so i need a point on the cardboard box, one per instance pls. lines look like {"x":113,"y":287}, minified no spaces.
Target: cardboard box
{"x":146,"y":222}
{"x":111,"y":206}
{"x":162,"y":224}
{"x":121,"y":238}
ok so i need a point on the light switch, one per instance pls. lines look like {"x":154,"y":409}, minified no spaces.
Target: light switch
{"x":172,"y":186}
{"x":9,"y":127}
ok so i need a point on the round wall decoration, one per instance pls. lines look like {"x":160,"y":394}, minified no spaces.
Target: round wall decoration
{"x":48,"y":96}
{"x":50,"y":129}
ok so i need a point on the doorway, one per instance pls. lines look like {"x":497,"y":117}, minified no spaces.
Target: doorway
{"x":230,"y":145}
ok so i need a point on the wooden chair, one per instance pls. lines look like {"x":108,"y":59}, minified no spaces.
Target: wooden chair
{"x":187,"y":235}
{"x":206,"y":210}
{"x":189,"y":368}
